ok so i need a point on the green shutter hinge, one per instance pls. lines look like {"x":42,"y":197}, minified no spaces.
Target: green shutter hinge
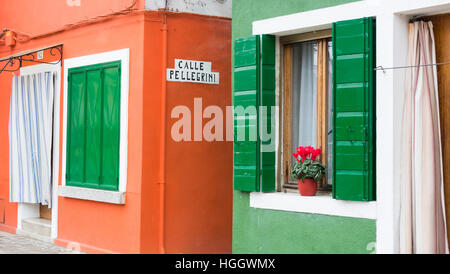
{"x":350,"y":133}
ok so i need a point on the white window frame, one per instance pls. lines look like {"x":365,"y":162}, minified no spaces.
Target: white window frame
{"x":391,"y":43}
{"x":107,"y":196}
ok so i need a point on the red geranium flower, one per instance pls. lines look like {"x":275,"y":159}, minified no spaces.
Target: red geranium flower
{"x":306,"y":152}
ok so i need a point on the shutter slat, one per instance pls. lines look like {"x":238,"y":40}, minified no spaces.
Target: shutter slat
{"x":353,"y":105}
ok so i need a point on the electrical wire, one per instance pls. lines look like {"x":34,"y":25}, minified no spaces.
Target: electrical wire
{"x":25,"y":37}
{"x":413,"y":66}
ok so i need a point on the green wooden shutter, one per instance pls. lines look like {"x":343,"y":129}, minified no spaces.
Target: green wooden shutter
{"x":93,"y":126}
{"x":76,"y":127}
{"x":353,"y":110}
{"x":111,"y":127}
{"x":254,"y":86}
{"x":268,"y":101}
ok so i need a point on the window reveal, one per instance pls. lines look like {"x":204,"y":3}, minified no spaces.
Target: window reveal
{"x":307,"y":102}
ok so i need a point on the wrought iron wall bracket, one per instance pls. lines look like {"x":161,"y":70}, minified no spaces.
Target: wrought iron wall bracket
{"x":30,"y":57}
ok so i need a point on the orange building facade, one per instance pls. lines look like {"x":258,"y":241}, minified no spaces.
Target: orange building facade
{"x":173,"y":196}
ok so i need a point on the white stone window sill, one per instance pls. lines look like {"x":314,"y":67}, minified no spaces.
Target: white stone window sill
{"x":323,"y":204}
{"x":98,"y":195}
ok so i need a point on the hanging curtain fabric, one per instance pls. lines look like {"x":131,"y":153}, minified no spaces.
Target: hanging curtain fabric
{"x":304,"y":94}
{"x":30,"y":138}
{"x":422,"y":214}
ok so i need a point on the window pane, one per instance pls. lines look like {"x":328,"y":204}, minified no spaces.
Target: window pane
{"x":304,"y":94}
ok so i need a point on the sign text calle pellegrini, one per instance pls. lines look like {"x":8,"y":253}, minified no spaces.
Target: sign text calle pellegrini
{"x":193,"y":72}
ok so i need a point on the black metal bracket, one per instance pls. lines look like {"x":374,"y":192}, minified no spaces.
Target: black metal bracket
{"x":29,"y":57}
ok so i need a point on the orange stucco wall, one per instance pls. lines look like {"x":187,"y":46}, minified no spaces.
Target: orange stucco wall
{"x":198,"y":175}
{"x":198,"y":195}
{"x":10,"y":210}
{"x":38,"y":16}
{"x":110,"y":227}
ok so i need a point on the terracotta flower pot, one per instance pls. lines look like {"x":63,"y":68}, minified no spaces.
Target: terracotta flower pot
{"x":308,"y":187}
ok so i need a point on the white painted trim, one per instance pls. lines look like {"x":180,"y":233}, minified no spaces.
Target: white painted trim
{"x":312,"y":20}
{"x":391,"y":51}
{"x":25,"y":211}
{"x":388,"y":113}
{"x":99,"y":195}
{"x":314,"y":204}
{"x":319,"y":19}
{"x":116,"y":55}
{"x":416,"y":7}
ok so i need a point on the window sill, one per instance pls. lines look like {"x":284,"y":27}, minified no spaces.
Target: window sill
{"x":98,"y":195}
{"x":323,"y":204}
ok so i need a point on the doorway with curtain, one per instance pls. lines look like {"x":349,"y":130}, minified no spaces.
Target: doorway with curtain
{"x":34,"y":149}
{"x":424,"y":172}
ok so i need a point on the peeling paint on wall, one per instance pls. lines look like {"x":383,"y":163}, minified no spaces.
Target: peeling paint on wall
{"x":205,"y":7}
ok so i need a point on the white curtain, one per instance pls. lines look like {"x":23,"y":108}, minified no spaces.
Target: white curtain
{"x":30,"y":138}
{"x":422,"y":215}
{"x":304,"y":94}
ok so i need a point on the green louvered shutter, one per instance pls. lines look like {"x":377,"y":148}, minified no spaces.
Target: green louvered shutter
{"x":93,"y":126}
{"x":76,"y":127}
{"x":110,"y":127}
{"x":353,"y":110}
{"x":268,"y":101}
{"x":254,"y":86}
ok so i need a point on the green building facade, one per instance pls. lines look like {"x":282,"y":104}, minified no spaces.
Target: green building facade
{"x":264,"y":230}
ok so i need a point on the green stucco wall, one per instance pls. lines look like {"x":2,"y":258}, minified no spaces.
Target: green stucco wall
{"x":271,"y":231}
